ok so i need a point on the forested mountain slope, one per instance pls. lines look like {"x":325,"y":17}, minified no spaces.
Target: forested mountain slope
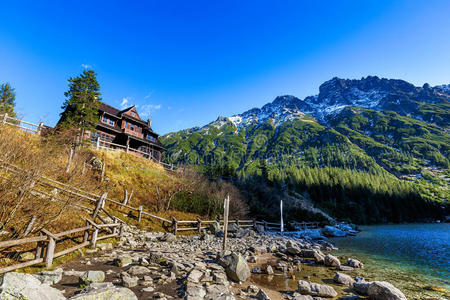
{"x":388,"y":131}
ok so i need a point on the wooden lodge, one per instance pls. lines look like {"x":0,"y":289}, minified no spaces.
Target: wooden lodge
{"x":127,"y":129}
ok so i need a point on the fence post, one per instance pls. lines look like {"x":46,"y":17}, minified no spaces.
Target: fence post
{"x":86,"y":233}
{"x":174,"y":225}
{"x":39,"y":129}
{"x":199,"y":225}
{"x":50,"y":248}
{"x":100,"y":205}
{"x":94,"y":237}
{"x":115,"y":220}
{"x":39,"y":248}
{"x":265,"y":225}
{"x":5,"y":116}
{"x":121,"y":228}
{"x":140,"y":213}
{"x":254,"y":224}
{"x":226,"y":207}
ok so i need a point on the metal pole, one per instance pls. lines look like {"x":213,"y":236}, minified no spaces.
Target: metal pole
{"x":226,"y":206}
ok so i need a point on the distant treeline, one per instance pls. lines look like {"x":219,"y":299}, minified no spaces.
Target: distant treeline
{"x":357,"y":196}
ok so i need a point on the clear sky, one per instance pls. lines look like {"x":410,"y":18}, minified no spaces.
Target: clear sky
{"x":184,"y":63}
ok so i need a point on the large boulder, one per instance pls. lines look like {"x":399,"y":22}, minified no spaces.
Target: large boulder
{"x":315,"y":289}
{"x":382,"y":290}
{"x":20,"y":286}
{"x":236,"y":267}
{"x":343,"y":279}
{"x":107,"y":293}
{"x":215,"y":227}
{"x":331,"y":231}
{"x":292,"y":250}
{"x":313,"y":253}
{"x":331,"y":261}
{"x":233,"y":227}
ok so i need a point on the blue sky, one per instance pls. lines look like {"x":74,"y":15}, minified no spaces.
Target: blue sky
{"x":184,"y":63}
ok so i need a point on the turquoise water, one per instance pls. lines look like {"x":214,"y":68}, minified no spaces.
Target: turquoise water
{"x":410,"y":256}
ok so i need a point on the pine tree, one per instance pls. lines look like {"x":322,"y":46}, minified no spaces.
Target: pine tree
{"x":82,"y":102}
{"x":7,"y":99}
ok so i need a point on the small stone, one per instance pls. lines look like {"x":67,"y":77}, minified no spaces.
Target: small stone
{"x":269,"y":270}
{"x":123,"y":261}
{"x":92,"y":276}
{"x":129,"y":282}
{"x":148,"y":289}
{"x":26,"y":256}
{"x":355,"y":263}
{"x":252,"y":289}
{"x":138,"y":270}
{"x":262,"y":295}
{"x":195,"y":276}
{"x":331,"y":261}
{"x":343,"y":279}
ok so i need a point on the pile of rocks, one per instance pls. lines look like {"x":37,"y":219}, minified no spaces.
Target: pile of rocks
{"x":194,"y":268}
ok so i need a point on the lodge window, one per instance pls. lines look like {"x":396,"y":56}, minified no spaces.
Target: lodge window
{"x":150,"y":138}
{"x":108,"y":121}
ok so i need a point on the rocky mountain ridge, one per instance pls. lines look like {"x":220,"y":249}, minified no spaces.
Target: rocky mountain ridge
{"x":336,"y":94}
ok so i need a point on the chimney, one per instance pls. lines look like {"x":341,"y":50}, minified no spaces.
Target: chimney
{"x":149,"y":122}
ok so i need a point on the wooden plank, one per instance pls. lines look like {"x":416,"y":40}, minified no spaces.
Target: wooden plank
{"x":48,"y":233}
{"x":11,"y":243}
{"x":107,"y":236}
{"x":108,"y":225}
{"x":22,"y":265}
{"x":61,"y":234}
{"x":186,"y":228}
{"x":71,"y":249}
{"x":186,"y":222}
{"x":156,"y":217}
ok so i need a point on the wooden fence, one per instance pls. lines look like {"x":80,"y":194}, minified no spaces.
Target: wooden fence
{"x":25,"y":126}
{"x":174,"y":224}
{"x":46,"y":243}
{"x":110,"y":146}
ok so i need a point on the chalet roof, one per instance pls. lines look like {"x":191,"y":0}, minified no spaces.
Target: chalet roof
{"x":109,"y":109}
{"x":121,"y":114}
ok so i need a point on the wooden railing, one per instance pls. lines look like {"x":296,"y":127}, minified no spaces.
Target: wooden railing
{"x":47,"y":242}
{"x":25,"y":126}
{"x":107,"y":145}
{"x":174,"y":224}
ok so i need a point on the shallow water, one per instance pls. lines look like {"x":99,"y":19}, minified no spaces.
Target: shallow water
{"x":410,"y":256}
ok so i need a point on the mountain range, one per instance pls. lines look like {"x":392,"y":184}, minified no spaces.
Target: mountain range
{"x":388,"y":123}
{"x":354,"y":132}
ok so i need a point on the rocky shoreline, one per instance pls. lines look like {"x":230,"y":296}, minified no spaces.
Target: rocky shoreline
{"x":147,"y":265}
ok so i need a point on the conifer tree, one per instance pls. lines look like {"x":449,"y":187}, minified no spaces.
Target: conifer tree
{"x":7,"y":99}
{"x":82,"y":102}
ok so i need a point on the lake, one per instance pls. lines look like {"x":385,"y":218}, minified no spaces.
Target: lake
{"x":410,"y":256}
